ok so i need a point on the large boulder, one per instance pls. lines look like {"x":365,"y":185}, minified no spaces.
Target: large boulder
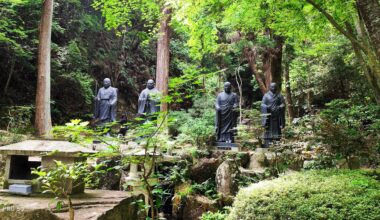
{"x":204,"y":169}
{"x":192,"y":207}
{"x":226,"y":178}
{"x":257,"y":162}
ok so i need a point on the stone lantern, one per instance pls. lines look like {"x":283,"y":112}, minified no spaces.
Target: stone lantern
{"x":23,"y":156}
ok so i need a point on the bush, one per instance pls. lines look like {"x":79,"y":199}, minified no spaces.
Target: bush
{"x":351,"y":130}
{"x":197,"y":126}
{"x":318,"y":194}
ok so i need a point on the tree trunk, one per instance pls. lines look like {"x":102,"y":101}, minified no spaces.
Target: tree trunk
{"x":288,"y":93}
{"x":272,"y":61}
{"x":11,"y":71}
{"x":368,"y":73}
{"x":43,"y":117}
{"x":276,"y":61}
{"x":369,"y":11}
{"x":71,"y":208}
{"x":251,"y":55}
{"x":163,"y":56}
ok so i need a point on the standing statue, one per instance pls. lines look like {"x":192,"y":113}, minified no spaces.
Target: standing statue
{"x":226,"y":114}
{"x":105,"y":103}
{"x":149,"y":99}
{"x":273,"y":114}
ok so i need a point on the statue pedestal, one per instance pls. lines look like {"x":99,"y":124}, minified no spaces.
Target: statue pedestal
{"x":227,"y":146}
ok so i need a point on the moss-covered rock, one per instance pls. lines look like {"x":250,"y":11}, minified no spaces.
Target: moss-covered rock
{"x":326,"y":194}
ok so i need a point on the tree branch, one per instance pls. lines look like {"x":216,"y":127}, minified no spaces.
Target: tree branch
{"x":335,"y":24}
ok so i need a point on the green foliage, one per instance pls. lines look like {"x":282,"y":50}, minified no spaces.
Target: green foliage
{"x":13,"y":33}
{"x":10,"y":138}
{"x":61,"y":178}
{"x":17,"y":119}
{"x":207,"y":188}
{"x":328,"y":194}
{"x":350,"y":129}
{"x":74,"y":131}
{"x":214,"y":215}
{"x":177,"y":173}
{"x":244,"y":180}
{"x":196,"y":126}
{"x":118,"y":13}
{"x":159,"y":195}
{"x":250,"y":135}
{"x":323,"y":161}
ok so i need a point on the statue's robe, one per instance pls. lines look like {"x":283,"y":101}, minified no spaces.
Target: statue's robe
{"x":149,"y":101}
{"x":105,"y":105}
{"x":273,"y":116}
{"x":226,"y":117}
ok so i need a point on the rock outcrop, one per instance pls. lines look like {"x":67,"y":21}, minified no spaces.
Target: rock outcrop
{"x":226,"y":178}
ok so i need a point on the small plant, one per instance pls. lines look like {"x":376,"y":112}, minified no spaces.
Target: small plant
{"x":207,"y":188}
{"x":219,"y":215}
{"x":61,"y":180}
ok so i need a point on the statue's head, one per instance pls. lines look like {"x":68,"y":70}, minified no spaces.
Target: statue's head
{"x":106,"y":82}
{"x":273,"y":87}
{"x":227,"y":87}
{"x":150,"y":84}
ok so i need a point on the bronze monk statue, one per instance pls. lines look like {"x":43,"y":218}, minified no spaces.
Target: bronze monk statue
{"x":105,"y":103}
{"x":149,"y":99}
{"x":226,"y":114}
{"x":273,"y":115}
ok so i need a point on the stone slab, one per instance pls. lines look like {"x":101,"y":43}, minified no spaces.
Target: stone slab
{"x":45,"y":147}
{"x":91,"y":205}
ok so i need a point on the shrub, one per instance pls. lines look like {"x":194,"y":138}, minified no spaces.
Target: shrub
{"x":197,"y":126}
{"x":317,"y":194}
{"x":351,"y":130}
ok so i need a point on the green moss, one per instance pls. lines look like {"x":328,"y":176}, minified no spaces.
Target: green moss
{"x":327,"y":194}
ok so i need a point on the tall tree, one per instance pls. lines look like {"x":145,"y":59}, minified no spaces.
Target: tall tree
{"x":250,"y":24}
{"x":369,"y":12}
{"x":365,"y":40}
{"x":287,"y":57}
{"x":271,"y":60}
{"x":43,"y":116}
{"x":163,"y":55}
